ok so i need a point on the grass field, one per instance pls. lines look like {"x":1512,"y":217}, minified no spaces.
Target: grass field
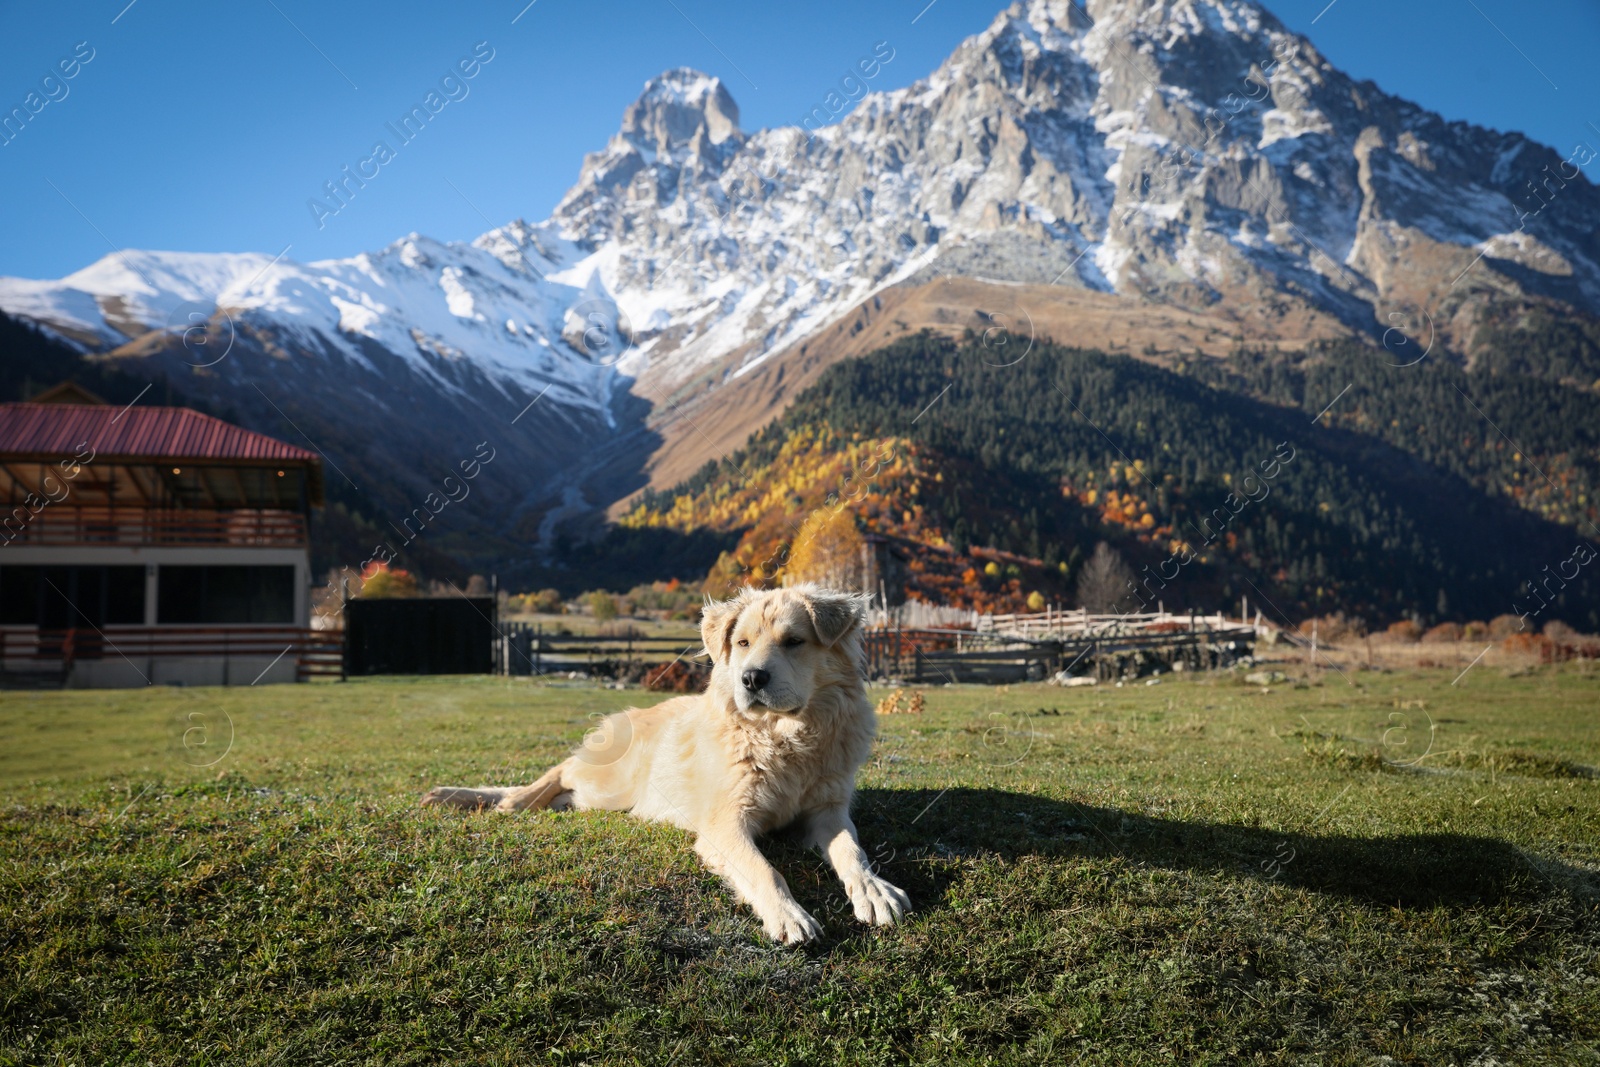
{"x":1396,"y":870}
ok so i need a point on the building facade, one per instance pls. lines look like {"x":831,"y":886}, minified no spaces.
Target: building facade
{"x":149,"y":546}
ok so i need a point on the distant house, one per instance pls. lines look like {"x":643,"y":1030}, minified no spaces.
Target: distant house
{"x":150,"y":545}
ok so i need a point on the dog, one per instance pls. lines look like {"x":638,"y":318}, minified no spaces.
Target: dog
{"x":774,"y":741}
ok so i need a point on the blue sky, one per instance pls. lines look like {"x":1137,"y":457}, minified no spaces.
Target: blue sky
{"x":207,"y":127}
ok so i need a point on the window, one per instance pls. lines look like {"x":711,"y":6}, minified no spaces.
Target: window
{"x":225,"y":594}
{"x":63,"y":597}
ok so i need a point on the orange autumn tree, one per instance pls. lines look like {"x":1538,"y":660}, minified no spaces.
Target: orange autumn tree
{"x":378,"y":580}
{"x":828,"y":550}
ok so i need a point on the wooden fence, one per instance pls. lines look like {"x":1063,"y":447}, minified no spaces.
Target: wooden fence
{"x":1005,"y":648}
{"x":529,"y":648}
{"x":46,"y":656}
{"x":1063,"y":623}
{"x":1123,"y":651}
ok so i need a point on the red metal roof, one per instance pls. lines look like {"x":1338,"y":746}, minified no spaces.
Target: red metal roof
{"x":48,"y":431}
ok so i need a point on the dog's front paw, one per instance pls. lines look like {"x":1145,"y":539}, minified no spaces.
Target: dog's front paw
{"x":450,"y":796}
{"x":790,"y":924}
{"x":877,"y":902}
{"x":453,"y":796}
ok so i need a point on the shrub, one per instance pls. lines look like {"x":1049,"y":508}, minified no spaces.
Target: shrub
{"x":379,"y":582}
{"x":544,"y":602}
{"x":1348,"y":626}
{"x":1532,"y":643}
{"x":1502,"y":626}
{"x":1404,"y":630}
{"x":1556,"y":630}
{"x":681,"y":676}
{"x":602,"y":605}
{"x":1336,"y":626}
{"x":673,"y":599}
{"x":1445,"y":631}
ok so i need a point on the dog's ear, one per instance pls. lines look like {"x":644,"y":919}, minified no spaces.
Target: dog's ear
{"x":716,"y":625}
{"x":833,"y":615}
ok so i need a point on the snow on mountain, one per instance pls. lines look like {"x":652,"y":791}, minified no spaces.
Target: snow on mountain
{"x":487,"y":302}
{"x":1188,"y":152}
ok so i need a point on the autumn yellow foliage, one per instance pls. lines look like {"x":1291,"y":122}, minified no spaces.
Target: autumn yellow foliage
{"x":828,"y":550}
{"x":815,"y":477}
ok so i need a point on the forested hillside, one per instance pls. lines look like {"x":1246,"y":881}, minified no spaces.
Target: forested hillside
{"x":1473,"y":425}
{"x":31,"y":361}
{"x":1215,"y":481}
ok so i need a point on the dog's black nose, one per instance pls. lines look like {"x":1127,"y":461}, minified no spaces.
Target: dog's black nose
{"x":754,"y":679}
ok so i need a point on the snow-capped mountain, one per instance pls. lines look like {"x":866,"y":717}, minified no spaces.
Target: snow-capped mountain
{"x":1182,"y":152}
{"x":1176,"y":153}
{"x":493,"y":302}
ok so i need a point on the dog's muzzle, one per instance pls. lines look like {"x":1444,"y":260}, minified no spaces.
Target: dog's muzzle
{"x":754,"y":694}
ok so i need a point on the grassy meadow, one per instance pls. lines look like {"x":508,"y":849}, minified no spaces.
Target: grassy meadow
{"x":1360,"y":868}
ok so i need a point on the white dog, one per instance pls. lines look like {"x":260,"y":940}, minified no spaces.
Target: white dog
{"x":776,"y":738}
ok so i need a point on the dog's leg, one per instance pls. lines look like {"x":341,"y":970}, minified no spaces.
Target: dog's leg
{"x":731,"y":852}
{"x":460,"y":796}
{"x":502,"y":798}
{"x":875,"y":901}
{"x":537,"y":796}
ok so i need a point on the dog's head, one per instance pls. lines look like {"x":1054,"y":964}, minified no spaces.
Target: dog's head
{"x":775,"y":649}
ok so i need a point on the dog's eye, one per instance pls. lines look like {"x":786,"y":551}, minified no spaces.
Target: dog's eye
{"x":793,"y":642}
{"x":743,"y":643}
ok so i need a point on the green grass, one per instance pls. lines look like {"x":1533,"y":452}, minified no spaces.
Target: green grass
{"x":1192,"y":872}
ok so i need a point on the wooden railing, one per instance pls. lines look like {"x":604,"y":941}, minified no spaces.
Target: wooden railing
{"x":57,"y":525}
{"x":314,"y":652}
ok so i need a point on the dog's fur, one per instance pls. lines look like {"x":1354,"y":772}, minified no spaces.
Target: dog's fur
{"x":775,"y":740}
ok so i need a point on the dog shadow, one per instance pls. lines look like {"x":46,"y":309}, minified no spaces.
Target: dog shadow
{"x":903,"y":828}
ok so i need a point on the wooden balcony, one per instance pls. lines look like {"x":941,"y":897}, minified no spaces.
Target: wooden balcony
{"x":59,"y":525}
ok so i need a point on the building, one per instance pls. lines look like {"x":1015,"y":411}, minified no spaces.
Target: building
{"x":150,"y":545}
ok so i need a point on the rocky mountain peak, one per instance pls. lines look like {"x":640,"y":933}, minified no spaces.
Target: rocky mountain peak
{"x":684,"y":123}
{"x":677,"y":108}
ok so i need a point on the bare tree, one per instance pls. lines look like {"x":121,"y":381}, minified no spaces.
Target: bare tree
{"x":1104,"y":581}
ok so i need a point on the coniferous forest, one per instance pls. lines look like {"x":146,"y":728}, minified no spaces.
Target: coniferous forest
{"x":1422,"y":492}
